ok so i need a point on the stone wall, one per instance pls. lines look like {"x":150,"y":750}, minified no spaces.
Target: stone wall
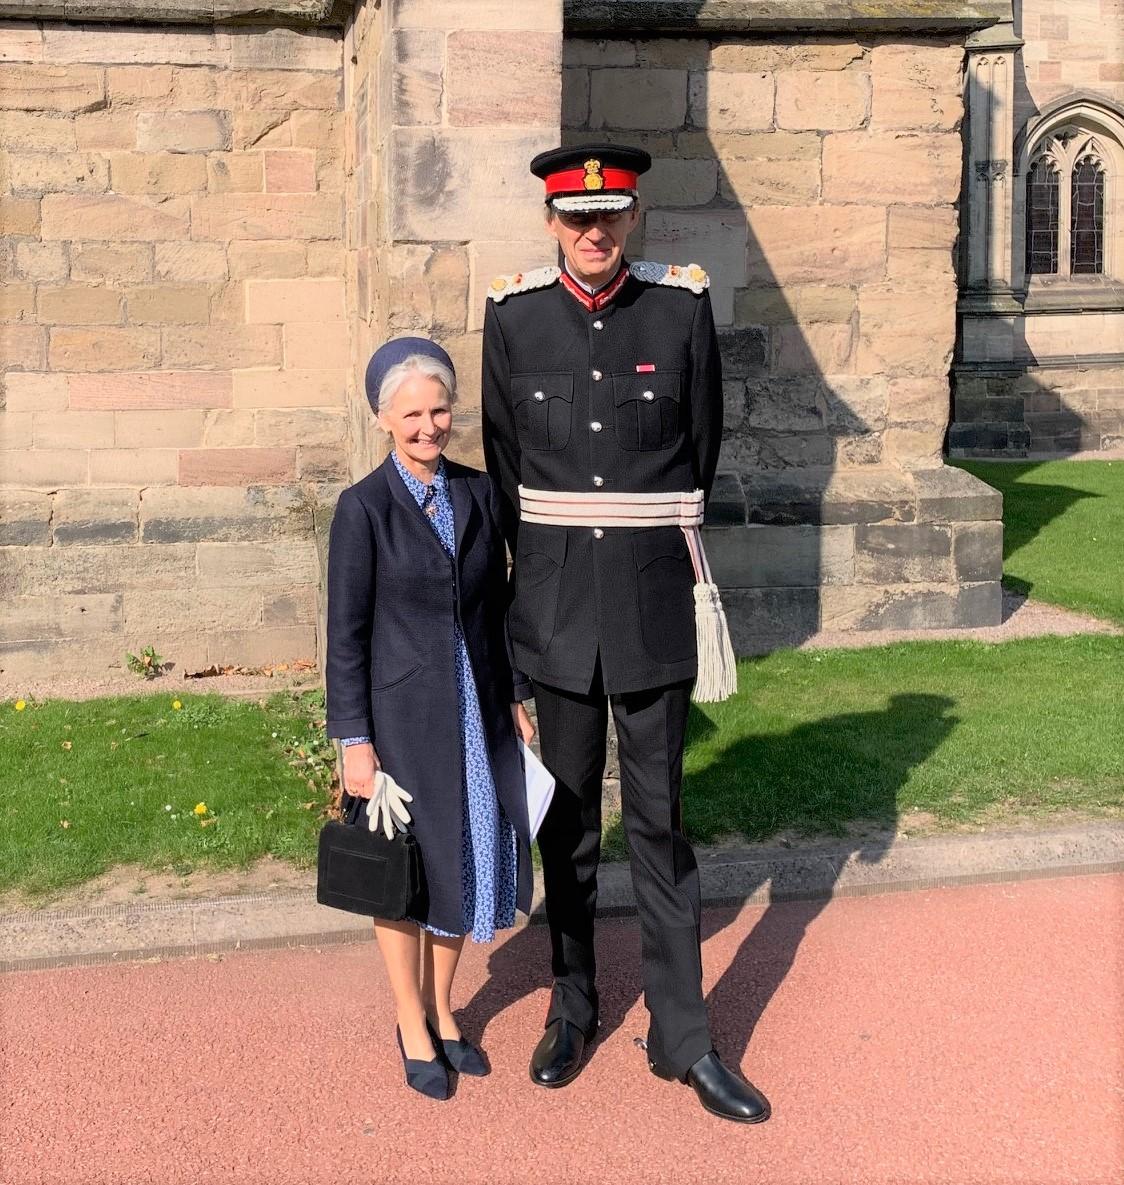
{"x":174,"y":339}
{"x":1040,"y":368}
{"x":817,"y":181}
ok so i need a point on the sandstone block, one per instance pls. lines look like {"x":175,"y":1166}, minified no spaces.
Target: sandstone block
{"x":917,"y":86}
{"x":158,"y":429}
{"x":321,"y":463}
{"x":61,"y":172}
{"x":815,"y":348}
{"x":236,"y":172}
{"x":183,"y":131}
{"x":316,"y":345}
{"x":681,"y":183}
{"x":726,"y":102}
{"x":288,"y":49}
{"x":920,"y":269}
{"x":22,"y":347}
{"x":37,"y":618}
{"x":266,"y":216}
{"x":39,"y":87}
{"x":95,"y":516}
{"x":228,"y":429}
{"x":45,"y":262}
{"x":920,"y":228}
{"x":492,"y":258}
{"x":114,"y":218}
{"x":428,"y":212}
{"x":80,"y":304}
{"x":157,"y":172}
{"x":795,"y":557}
{"x":118,"y":263}
{"x":290,"y":563}
{"x":290,"y":171}
{"x":587,"y":51}
{"x":771,"y":182}
{"x":290,"y":388}
{"x":237,"y":466}
{"x":285,"y":608}
{"x":575,"y":98}
{"x":34,"y":392}
{"x":153,"y":390}
{"x":15,"y":430}
{"x":765,"y":619}
{"x":222,"y":347}
{"x":816,"y":244}
{"x":168,"y":303}
{"x":749,"y":146}
{"x":104,"y":130}
{"x":206,"y":610}
{"x":285,"y":428}
{"x":638,"y":99}
{"x":47,"y":468}
{"x":34,"y":131}
{"x":109,"y":568}
{"x":715,"y":239}
{"x":893,"y":554}
{"x":430,"y":286}
{"x":191,"y":263}
{"x":484,"y":14}
{"x":822,"y":100}
{"x":914,"y":448}
{"x":133,"y":467}
{"x":97,"y":43}
{"x":25,"y":519}
{"x":223,"y":514}
{"x":17,"y":302}
{"x":268,"y":260}
{"x":903,"y":330}
{"x":977,"y":551}
{"x":481,"y":87}
{"x":73,"y":429}
{"x":271,"y":301}
{"x":20,"y":41}
{"x":19,"y":216}
{"x":892,"y":167}
{"x":140,"y":86}
{"x":262,"y":129}
{"x":419,"y":63}
{"x":104,"y":348}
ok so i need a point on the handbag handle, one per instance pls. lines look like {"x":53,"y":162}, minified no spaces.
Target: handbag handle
{"x":350,"y":807}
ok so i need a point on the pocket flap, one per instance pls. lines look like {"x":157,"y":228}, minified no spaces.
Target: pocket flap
{"x":541,"y":387}
{"x":646,"y":387}
{"x":658,"y":543}
{"x":540,"y":539}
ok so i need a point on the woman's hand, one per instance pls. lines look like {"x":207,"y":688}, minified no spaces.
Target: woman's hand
{"x":359,"y":765}
{"x":523,"y":726}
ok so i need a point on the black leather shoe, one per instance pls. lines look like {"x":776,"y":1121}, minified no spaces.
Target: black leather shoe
{"x":557,"y":1059}
{"x":721,"y":1091}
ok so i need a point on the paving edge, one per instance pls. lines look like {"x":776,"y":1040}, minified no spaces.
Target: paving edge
{"x":757,"y":875}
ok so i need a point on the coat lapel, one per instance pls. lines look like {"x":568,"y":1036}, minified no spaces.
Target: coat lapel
{"x":464,"y":506}
{"x":407,"y":502}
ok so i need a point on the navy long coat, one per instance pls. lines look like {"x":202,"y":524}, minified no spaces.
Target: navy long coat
{"x":391,"y":675}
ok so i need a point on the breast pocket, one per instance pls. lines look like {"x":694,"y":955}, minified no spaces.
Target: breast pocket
{"x":543,"y":404}
{"x":647,"y":410}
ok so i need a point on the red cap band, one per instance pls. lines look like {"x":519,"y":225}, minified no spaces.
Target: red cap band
{"x":576,"y":181}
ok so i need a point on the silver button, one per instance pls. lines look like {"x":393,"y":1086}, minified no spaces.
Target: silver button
{"x":598,"y":481}
{"x":597,"y":376}
{"x":649,"y":395}
{"x":598,"y":533}
{"x":595,"y":426}
{"x":598,"y":324}
{"x":539,"y":396}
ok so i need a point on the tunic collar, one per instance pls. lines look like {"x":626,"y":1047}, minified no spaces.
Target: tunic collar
{"x":594,"y":300}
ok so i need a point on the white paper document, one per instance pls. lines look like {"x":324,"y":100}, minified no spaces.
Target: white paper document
{"x":540,"y":788}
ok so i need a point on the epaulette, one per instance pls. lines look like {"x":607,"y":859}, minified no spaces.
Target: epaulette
{"x":671,"y":275}
{"x":540,"y":277}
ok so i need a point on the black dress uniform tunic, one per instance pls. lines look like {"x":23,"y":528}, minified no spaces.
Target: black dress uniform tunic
{"x":621,"y":394}
{"x":625,"y":398}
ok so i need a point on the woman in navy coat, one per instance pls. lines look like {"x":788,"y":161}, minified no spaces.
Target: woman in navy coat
{"x":420,"y":686}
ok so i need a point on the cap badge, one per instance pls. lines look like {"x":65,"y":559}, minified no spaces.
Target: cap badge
{"x":593,"y":178}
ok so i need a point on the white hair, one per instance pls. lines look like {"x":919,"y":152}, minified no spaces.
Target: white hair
{"x":415,"y":364}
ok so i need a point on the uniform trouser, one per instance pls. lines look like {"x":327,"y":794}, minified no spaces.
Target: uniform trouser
{"x":650,"y":733}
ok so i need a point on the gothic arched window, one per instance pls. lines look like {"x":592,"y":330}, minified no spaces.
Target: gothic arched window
{"x":1086,"y":233}
{"x":1042,"y":218}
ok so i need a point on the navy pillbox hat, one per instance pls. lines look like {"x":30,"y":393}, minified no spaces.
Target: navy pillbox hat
{"x":396,"y":351}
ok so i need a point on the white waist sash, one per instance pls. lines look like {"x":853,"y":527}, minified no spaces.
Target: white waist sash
{"x":717,"y":676}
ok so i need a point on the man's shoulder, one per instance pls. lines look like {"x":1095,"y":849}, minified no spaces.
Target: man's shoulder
{"x":687,"y":276}
{"x":519,"y":282}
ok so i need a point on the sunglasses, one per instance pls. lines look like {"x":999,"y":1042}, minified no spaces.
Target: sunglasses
{"x":585,"y":219}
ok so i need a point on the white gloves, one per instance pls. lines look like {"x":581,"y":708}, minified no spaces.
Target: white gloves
{"x":386,"y":807}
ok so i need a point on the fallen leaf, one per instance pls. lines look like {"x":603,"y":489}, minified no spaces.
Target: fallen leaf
{"x":68,"y":744}
{"x":208,"y":822}
{"x":64,"y":824}
{"x":307,"y":805}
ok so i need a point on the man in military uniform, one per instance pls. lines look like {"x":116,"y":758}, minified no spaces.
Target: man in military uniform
{"x":602,"y":392}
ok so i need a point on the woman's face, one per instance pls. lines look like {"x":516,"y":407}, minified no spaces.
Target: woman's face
{"x":419,"y":419}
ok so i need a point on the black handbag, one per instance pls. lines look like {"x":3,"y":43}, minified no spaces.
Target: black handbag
{"x":364,"y":872}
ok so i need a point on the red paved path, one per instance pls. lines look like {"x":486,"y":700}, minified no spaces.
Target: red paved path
{"x":954,"y":1036}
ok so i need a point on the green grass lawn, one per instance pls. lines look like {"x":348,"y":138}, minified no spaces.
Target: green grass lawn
{"x":814,"y":741}
{"x":1063,"y":531}
{"x":90,"y":784}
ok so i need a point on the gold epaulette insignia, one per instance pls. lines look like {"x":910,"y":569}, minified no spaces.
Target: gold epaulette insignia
{"x":671,"y":275}
{"x":504,"y":286}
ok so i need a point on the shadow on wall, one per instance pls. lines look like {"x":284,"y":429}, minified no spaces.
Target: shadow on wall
{"x":861,"y":762}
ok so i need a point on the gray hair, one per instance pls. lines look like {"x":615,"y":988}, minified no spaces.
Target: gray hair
{"x":415,"y":364}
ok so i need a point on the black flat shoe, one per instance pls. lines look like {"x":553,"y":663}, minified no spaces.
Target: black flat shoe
{"x":557,"y":1059}
{"x":459,"y":1055}
{"x":721,"y":1091}
{"x":428,"y":1078}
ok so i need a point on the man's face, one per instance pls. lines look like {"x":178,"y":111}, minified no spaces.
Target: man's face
{"x":592,"y":243}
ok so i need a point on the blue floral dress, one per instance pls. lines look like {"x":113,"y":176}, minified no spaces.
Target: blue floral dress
{"x":488,"y":845}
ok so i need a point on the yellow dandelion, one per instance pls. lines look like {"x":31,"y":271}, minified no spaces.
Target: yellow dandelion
{"x":200,"y":808}
{"x":21,"y":704}
{"x":176,"y":705}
